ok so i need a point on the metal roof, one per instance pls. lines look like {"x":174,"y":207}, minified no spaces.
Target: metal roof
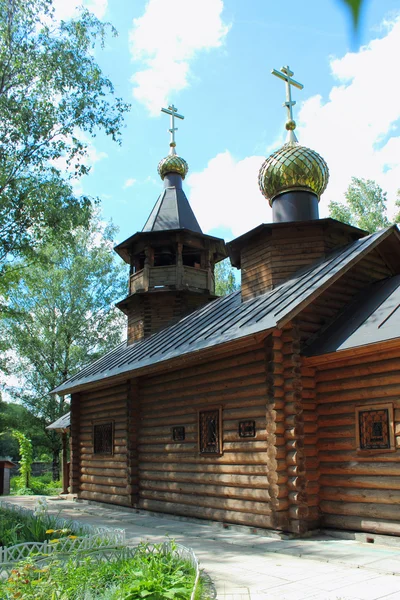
{"x":62,"y":423}
{"x":227,"y":318}
{"x":372,"y":317}
{"x":172,"y":209}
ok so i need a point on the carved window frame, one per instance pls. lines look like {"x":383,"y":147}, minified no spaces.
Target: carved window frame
{"x":374,"y":408}
{"x":99,"y":424}
{"x":217,"y":410}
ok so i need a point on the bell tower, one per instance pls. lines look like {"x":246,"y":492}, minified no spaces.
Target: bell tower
{"x":171,"y":260}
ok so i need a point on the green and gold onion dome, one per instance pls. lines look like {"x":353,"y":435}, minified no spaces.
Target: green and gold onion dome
{"x":172,"y":164}
{"x":293,"y":168}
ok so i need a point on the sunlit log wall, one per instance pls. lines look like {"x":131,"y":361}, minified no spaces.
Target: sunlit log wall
{"x":358,"y":490}
{"x":234,"y":487}
{"x":107,"y":478}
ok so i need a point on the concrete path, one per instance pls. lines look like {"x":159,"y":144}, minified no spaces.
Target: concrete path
{"x":244,"y":564}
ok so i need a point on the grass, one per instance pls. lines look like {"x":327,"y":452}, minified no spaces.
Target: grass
{"x":152,"y":574}
{"x":42,"y":485}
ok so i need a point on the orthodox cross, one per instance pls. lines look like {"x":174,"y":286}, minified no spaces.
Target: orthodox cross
{"x":173,"y":112}
{"x":286,"y":74}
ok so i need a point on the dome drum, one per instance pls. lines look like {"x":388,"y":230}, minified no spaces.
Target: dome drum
{"x":295,"y":205}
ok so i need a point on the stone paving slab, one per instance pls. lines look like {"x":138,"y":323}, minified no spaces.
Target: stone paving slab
{"x":247,"y":564}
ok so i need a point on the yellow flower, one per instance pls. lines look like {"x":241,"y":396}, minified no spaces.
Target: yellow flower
{"x":54,"y":541}
{"x":72,"y":537}
{"x":50,"y":531}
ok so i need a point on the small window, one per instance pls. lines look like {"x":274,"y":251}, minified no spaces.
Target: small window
{"x":374,"y":428}
{"x":247,"y":429}
{"x":103,"y":438}
{"x":210,"y":431}
{"x":178,"y":434}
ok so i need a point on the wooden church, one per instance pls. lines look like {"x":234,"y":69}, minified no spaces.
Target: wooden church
{"x":277,"y":406}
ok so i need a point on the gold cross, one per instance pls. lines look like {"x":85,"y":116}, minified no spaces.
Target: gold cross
{"x":286,"y":74}
{"x":173,"y":112}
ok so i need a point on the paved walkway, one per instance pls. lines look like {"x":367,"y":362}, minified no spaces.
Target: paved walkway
{"x":250,"y":566}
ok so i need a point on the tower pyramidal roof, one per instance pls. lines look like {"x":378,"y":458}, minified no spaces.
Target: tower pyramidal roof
{"x":172,"y":209}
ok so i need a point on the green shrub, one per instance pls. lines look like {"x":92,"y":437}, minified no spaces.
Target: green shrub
{"x":41,"y":485}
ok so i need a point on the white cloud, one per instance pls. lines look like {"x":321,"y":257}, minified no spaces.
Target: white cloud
{"x":129,"y":183}
{"x":65,"y":9}
{"x":226,"y":194}
{"x":354,"y":130}
{"x":166,"y":38}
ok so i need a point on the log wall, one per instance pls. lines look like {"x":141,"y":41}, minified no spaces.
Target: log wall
{"x":276,"y":254}
{"x":236,"y":486}
{"x":359,"y":490}
{"x":107,"y":478}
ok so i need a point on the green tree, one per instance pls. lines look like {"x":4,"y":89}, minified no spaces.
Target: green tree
{"x":225,"y":281}
{"x":15,"y":416}
{"x":60,"y":317}
{"x":53,"y":95}
{"x":365,"y":206}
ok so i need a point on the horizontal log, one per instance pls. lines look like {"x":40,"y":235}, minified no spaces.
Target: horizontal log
{"x":338,"y":494}
{"x":229,"y":516}
{"x":108,"y":498}
{"x":236,"y":458}
{"x":200,"y":490}
{"x":104,"y":392}
{"x":365,"y":369}
{"x":236,"y":370}
{"x":356,"y":523}
{"x":361,"y":509}
{"x":255,"y":407}
{"x":360,"y":469}
{"x":371,"y":482}
{"x":104,"y":489}
{"x":188,"y":467}
{"x":209,"y":368}
{"x":120,"y":481}
{"x":352,"y":456}
{"x":221,"y":479}
{"x":261,"y":508}
{"x":358,"y":383}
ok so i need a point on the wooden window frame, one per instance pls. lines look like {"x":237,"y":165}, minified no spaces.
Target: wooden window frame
{"x":392,"y":441}
{"x":206,"y":409}
{"x":104,"y":422}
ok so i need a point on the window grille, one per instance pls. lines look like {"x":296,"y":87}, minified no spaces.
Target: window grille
{"x":247,"y":429}
{"x":178,"y":433}
{"x":209,"y":429}
{"x":103,"y":438}
{"x":374,"y":428}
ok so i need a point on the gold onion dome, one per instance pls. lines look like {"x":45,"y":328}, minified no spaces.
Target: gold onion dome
{"x":172,"y":164}
{"x":293,"y":167}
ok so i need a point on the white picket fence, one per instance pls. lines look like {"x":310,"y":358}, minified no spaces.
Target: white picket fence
{"x":94,"y":538}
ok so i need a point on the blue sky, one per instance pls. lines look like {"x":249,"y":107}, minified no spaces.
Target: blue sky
{"x":212,"y":59}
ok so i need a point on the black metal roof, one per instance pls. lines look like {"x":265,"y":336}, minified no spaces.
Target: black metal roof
{"x":172,"y":209}
{"x":373,"y":316}
{"x":62,"y":423}
{"x":227,"y":318}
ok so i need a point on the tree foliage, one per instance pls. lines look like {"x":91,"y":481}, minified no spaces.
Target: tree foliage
{"x":15,"y":416}
{"x":52,"y":96}
{"x":225,"y":281}
{"x":60,"y":317}
{"x":365,"y":206}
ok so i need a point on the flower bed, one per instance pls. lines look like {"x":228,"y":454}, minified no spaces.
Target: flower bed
{"x":159,"y":572}
{"x":24,"y":532}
